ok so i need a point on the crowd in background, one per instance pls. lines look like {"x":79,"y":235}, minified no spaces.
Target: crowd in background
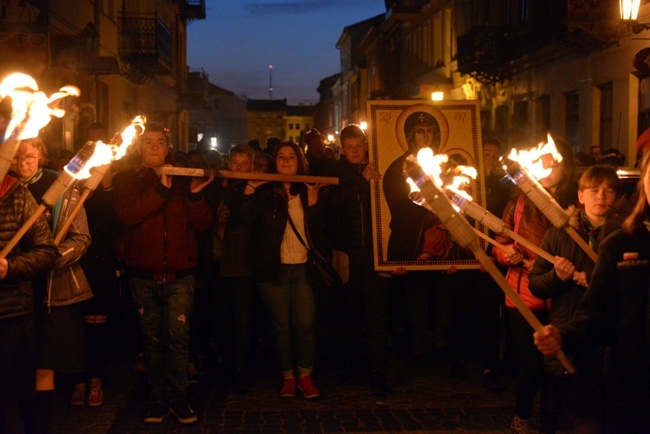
{"x":212,"y":265}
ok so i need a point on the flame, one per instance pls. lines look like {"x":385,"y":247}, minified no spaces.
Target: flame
{"x":128,"y":135}
{"x":536,"y":161}
{"x":31,"y":109}
{"x":453,"y":180}
{"x":104,"y":153}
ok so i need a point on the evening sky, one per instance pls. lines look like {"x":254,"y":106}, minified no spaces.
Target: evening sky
{"x":239,"y":39}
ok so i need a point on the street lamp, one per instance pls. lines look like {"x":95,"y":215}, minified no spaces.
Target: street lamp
{"x":629,"y":10}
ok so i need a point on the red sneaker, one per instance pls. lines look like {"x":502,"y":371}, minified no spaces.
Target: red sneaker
{"x":95,"y":396}
{"x":306,"y":386}
{"x":78,"y":398}
{"x":288,"y":388}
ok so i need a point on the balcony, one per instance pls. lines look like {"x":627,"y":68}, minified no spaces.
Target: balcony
{"x":145,"y":47}
{"x":493,"y":54}
{"x":484,"y":54}
{"x":192,"y":9}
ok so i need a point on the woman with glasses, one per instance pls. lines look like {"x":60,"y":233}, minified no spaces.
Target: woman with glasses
{"x":59,"y":327}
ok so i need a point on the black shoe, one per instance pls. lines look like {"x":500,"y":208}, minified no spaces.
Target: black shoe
{"x":183,"y":412}
{"x":378,"y":384}
{"x":491,"y":381}
{"x":157,"y":413}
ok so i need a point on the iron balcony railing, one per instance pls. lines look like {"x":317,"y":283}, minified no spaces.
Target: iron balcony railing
{"x":145,"y":38}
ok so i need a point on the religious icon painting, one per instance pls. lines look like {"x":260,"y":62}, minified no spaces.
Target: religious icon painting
{"x":407,"y":234}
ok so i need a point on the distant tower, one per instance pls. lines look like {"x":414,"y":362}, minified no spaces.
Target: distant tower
{"x":270,"y":82}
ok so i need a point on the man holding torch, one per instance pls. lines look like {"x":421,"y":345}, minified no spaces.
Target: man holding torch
{"x":160,"y":220}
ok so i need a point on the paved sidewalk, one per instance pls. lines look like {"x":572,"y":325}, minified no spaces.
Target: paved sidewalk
{"x":424,"y":400}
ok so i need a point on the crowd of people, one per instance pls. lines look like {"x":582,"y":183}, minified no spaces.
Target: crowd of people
{"x":212,"y":264}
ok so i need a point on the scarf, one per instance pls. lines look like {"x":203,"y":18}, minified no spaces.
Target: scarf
{"x":591,"y":230}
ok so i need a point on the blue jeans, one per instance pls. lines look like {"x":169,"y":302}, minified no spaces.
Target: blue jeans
{"x":165,"y":310}
{"x":292,"y":310}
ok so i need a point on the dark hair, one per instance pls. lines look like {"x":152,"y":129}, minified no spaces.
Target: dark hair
{"x":596,"y":175}
{"x":641,"y":212}
{"x":612,"y":157}
{"x":303,"y":166}
{"x":267,"y":157}
{"x":272,"y":142}
{"x":154,"y":127}
{"x":493,"y":141}
{"x":352,"y":131}
{"x":197,"y":159}
{"x":255,"y":144}
{"x":312,"y":134}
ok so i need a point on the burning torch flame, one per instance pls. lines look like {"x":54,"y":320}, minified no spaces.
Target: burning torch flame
{"x":105,"y":153}
{"x":31,"y":109}
{"x":128,"y":135}
{"x":432,"y":165}
{"x":534,"y":160}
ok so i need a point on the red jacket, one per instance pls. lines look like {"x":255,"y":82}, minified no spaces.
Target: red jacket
{"x":531,"y":224}
{"x":159,"y":224}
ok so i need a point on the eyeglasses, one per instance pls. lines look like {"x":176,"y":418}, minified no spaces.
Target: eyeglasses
{"x":29,"y":159}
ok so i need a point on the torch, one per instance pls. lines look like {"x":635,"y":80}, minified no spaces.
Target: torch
{"x":118,"y":144}
{"x":464,"y":235}
{"x":537,"y":194}
{"x":465,"y":203}
{"x":494,"y":223}
{"x":90,"y":155}
{"x":30,"y":111}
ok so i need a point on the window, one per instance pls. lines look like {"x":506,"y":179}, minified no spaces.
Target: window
{"x":291,"y":126}
{"x":572,"y":118}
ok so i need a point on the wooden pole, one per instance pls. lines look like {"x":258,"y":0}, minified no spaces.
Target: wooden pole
{"x":494,"y":223}
{"x":204,"y":173}
{"x":546,"y":204}
{"x":462,"y":232}
{"x":73,"y":214}
{"x":7,"y":151}
{"x":23,"y":229}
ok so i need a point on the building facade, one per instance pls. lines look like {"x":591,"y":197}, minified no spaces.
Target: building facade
{"x":558,"y":66}
{"x":275,"y":118}
{"x":127,"y":58}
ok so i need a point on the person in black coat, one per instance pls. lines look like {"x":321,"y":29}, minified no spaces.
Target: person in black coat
{"x":364,"y":299}
{"x":564,"y":284}
{"x":615,"y":311}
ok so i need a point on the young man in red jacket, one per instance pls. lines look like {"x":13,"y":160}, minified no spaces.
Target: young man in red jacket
{"x":160,"y":218}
